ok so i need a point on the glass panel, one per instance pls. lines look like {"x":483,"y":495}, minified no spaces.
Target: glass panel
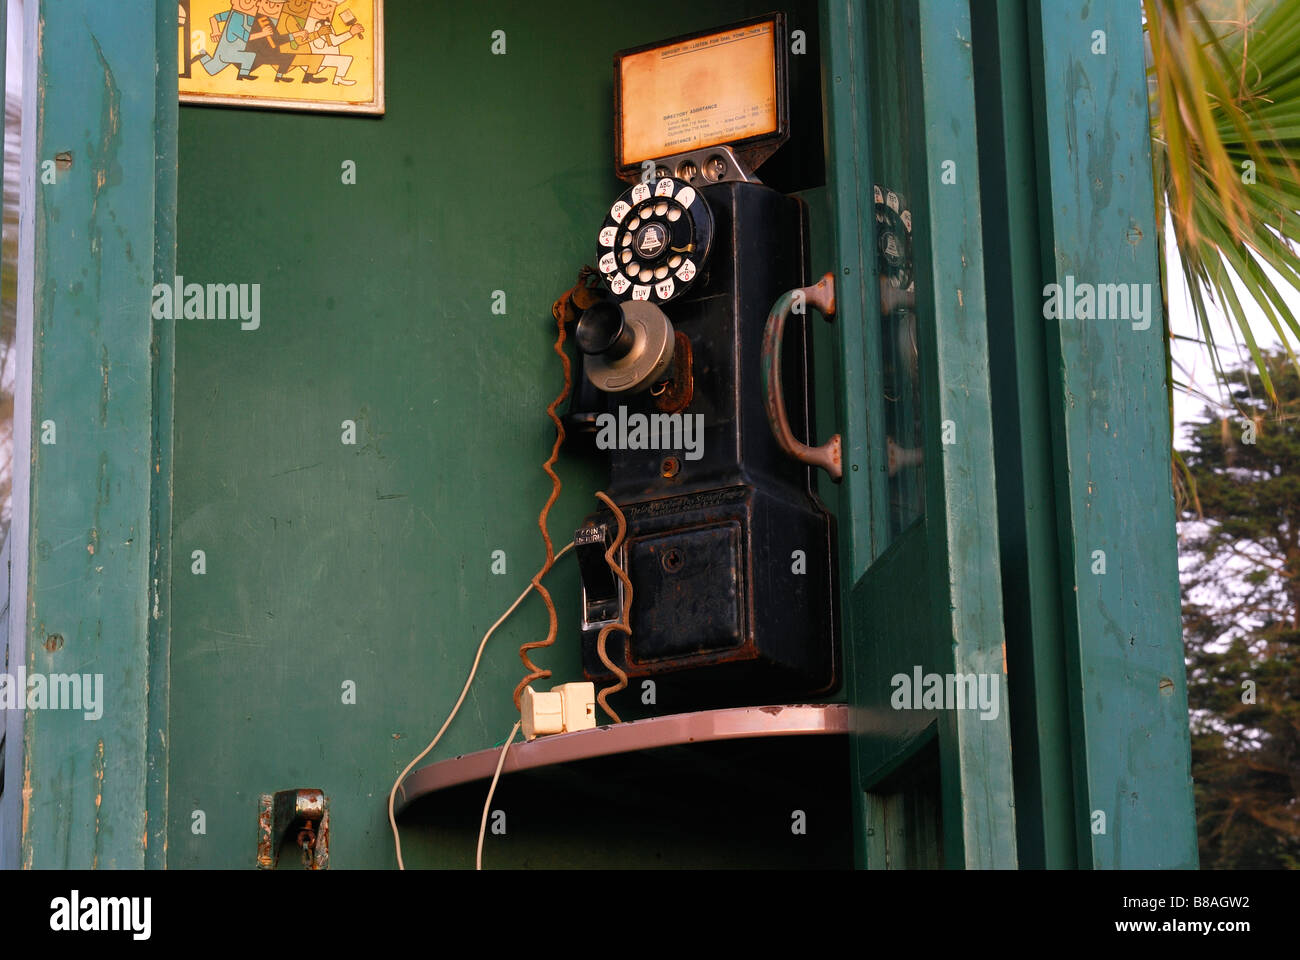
{"x":898,"y":160}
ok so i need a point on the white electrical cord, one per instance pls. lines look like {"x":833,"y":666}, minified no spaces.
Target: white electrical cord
{"x":392,"y":794}
{"x":482,"y":824}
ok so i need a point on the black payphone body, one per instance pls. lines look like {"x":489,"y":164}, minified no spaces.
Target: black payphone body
{"x":687,"y":384}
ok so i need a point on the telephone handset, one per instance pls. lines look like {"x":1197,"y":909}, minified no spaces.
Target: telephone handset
{"x":729,"y":551}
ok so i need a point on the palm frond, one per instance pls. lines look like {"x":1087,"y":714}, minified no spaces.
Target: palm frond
{"x":1225,"y":119}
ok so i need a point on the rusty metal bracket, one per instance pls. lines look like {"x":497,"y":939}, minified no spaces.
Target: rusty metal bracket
{"x":305,"y":811}
{"x":822,"y":296}
{"x":676,"y":393}
{"x":582,"y":295}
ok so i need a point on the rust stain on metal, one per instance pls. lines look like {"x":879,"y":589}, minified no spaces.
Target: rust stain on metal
{"x":264,"y":858}
{"x":278,"y":816}
{"x":321,"y":858}
{"x":678,"y":392}
{"x":772,"y":710}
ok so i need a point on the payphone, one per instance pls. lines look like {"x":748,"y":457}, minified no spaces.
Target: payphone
{"x":695,"y":380}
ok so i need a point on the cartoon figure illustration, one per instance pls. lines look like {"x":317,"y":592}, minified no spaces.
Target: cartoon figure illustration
{"x":324,"y":41}
{"x":232,"y":41}
{"x":267,"y":42}
{"x":294,"y":23}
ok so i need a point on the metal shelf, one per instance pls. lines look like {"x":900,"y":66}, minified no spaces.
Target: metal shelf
{"x":674,"y":730}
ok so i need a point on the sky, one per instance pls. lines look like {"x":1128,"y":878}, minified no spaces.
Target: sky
{"x":1194,"y":357}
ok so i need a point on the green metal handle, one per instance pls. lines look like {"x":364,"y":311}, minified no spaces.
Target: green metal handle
{"x":822,"y":296}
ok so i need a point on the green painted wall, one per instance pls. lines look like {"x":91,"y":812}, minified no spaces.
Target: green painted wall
{"x":328,"y":563}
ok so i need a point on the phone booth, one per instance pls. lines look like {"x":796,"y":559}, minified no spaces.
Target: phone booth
{"x":849,"y":553}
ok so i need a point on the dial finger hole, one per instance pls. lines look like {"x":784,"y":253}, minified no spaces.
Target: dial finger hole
{"x":625,"y":256}
{"x":661,"y":272}
{"x":661,"y":208}
{"x":674,"y":214}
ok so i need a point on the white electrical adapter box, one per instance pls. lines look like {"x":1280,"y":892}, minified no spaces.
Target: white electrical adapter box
{"x":562,"y":709}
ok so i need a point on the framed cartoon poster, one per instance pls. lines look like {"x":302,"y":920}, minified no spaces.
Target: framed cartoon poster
{"x":288,"y":54}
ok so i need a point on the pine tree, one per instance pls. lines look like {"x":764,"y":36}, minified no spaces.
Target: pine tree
{"x":1241,"y":617}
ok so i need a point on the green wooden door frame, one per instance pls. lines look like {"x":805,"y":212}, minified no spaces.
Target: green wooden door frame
{"x":932,"y":597}
{"x":1080,"y":430}
{"x":90,"y":516}
{"x":1089,"y":554}
{"x":1129,"y":730}
{"x":1022,"y":418}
